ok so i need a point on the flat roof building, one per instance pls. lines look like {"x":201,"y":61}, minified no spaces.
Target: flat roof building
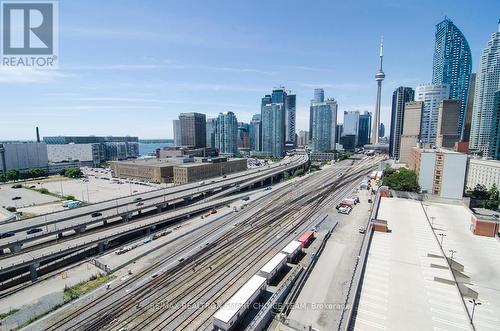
{"x":23,"y":156}
{"x":193,"y":172}
{"x":86,"y":154}
{"x":440,"y":171}
{"x":411,"y":129}
{"x":483,"y":172}
{"x":448,"y":131}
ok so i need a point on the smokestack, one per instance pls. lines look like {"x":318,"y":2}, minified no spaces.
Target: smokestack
{"x":37,"y":135}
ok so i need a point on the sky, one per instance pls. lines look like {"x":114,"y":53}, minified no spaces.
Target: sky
{"x":130,"y":67}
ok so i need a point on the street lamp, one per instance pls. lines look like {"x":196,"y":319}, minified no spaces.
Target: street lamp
{"x":451,"y":253}
{"x":432,"y":221}
{"x":442,"y":235}
{"x":474,"y":304}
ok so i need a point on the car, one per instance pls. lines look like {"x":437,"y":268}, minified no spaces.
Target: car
{"x":224,"y":176}
{"x":96,"y":214}
{"x":362,"y":229}
{"x":16,"y":198}
{"x":370,"y":201}
{"x":140,"y":204}
{"x":34,"y":230}
{"x":17,"y":186}
{"x":154,"y":275}
{"x":7,"y":235}
{"x":181,"y":259}
{"x":137,"y":199}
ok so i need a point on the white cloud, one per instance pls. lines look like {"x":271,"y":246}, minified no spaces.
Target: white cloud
{"x":29,"y":75}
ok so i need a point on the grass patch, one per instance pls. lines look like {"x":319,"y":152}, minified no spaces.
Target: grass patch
{"x":7,"y":314}
{"x":72,"y":293}
{"x":76,"y":291}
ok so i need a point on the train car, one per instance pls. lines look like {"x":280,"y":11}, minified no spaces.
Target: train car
{"x":273,"y":267}
{"x":306,"y":238}
{"x":373,"y":175}
{"x":380,"y":174}
{"x":228,"y":316}
{"x":292,"y":250}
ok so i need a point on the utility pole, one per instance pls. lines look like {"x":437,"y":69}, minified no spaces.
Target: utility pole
{"x":474,"y":304}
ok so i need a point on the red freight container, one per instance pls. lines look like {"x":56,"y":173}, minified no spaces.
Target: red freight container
{"x":306,"y":238}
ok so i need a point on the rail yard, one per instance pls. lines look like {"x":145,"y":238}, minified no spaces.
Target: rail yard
{"x":187,"y":286}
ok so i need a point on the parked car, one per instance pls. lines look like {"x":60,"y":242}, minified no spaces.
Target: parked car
{"x":137,"y":199}
{"x":17,"y":186}
{"x":16,"y":198}
{"x":362,"y":229}
{"x":96,"y":214}
{"x":34,"y":230}
{"x":140,"y":204}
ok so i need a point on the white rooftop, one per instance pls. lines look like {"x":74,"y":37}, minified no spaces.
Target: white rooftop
{"x":273,"y":263}
{"x":399,"y":290}
{"x":291,"y":247}
{"x":239,"y":299}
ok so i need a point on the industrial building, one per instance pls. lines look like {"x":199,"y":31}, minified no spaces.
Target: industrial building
{"x":208,"y":168}
{"x":86,"y":154}
{"x":440,"y":171}
{"x":179,"y":170}
{"x":110,"y":148}
{"x":22,"y":156}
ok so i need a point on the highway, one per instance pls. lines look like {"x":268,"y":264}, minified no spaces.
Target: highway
{"x":212,"y":274}
{"x":79,"y":219}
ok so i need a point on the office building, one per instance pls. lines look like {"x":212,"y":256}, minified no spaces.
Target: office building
{"x":339,"y":132}
{"x":182,"y":152}
{"x":381,"y":130}
{"x":226,"y":134}
{"x":243,"y":139}
{"x":348,"y":142}
{"x":291,"y":109}
{"x":487,"y":84}
{"x":400,"y":97}
{"x":452,"y":65}
{"x":483,"y":172}
{"x":85,"y":154}
{"x":23,"y":156}
{"x":411,"y":129}
{"x":193,"y":129}
{"x":110,"y":148}
{"x":211,"y":126}
{"x":364,"y":129}
{"x":470,"y":109}
{"x":319,"y":95}
{"x":150,"y":170}
{"x":440,"y":171}
{"x":379,"y":77}
{"x":431,"y":95}
{"x":448,"y":121}
{"x":323,"y":123}
{"x":256,"y":133}
{"x":303,"y":139}
{"x":273,"y":129}
{"x":177,"y":132}
{"x":494,"y":143}
{"x":351,"y":124}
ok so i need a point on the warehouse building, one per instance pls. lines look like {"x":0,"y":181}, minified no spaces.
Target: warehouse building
{"x":193,"y":172}
{"x":179,"y":170}
{"x":23,"y":156}
{"x":86,"y":154}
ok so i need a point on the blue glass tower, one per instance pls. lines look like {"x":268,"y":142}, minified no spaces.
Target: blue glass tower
{"x":452,"y":64}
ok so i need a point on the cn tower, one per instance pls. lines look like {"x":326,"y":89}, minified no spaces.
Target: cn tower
{"x":379,"y":77}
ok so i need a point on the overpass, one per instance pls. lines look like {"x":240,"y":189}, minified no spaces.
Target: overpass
{"x":79,"y":219}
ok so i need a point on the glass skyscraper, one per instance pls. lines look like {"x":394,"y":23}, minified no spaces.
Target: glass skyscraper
{"x":364,"y":128}
{"x":226,"y":134}
{"x":487,"y":84}
{"x":431,"y":95}
{"x":400,"y":97}
{"x":452,"y":64}
{"x":323,"y":119}
{"x":256,"y":133}
{"x":273,"y":129}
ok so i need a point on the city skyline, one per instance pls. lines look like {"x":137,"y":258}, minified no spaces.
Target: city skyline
{"x":120,"y":84}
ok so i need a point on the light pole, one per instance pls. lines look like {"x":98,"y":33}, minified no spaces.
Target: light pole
{"x":451,"y":253}
{"x":432,"y":221}
{"x":474,"y":304}
{"x":442,"y":235}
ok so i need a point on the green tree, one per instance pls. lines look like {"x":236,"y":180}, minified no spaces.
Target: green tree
{"x":493,"y":193}
{"x":480,"y":192}
{"x":402,"y":180}
{"x":73,"y":173}
{"x":12,"y":174}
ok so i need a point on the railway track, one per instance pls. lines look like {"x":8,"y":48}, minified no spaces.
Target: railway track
{"x":253,"y":237}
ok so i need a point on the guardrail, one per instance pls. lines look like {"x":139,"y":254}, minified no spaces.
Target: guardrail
{"x":354,"y":285}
